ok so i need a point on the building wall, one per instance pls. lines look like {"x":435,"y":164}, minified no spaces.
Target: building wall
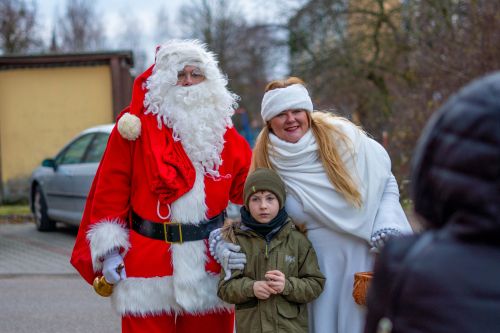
{"x":41,"y":109}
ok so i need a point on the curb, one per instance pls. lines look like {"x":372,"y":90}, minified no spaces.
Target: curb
{"x":16,"y":218}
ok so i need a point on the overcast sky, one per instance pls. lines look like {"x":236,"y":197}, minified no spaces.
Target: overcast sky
{"x":113,"y":12}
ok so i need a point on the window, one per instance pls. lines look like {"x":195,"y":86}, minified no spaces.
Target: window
{"x":74,"y":152}
{"x":96,"y":148}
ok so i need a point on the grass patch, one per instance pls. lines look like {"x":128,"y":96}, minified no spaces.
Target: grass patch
{"x":15,"y":210}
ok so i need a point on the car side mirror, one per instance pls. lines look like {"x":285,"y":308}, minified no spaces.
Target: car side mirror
{"x":50,"y":163}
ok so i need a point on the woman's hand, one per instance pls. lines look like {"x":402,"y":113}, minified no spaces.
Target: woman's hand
{"x":380,"y":237}
{"x":275,"y":280}
{"x":261,"y":290}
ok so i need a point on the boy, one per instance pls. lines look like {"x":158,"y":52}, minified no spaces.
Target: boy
{"x":282,"y":272}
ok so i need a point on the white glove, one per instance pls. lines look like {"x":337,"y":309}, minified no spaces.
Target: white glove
{"x":225,"y":253}
{"x":380,"y":237}
{"x":213,"y":238}
{"x":113,"y":267}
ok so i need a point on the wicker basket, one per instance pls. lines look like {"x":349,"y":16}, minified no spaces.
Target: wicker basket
{"x":360,"y":287}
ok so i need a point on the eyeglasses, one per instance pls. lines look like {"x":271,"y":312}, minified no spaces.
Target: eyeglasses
{"x":195,"y":75}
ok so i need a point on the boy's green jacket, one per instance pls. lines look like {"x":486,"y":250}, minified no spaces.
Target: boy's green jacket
{"x":289,"y":252}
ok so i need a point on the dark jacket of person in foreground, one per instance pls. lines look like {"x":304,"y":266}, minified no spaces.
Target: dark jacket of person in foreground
{"x":452,"y":284}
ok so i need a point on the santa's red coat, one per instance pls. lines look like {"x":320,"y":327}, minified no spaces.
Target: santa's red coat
{"x":147,"y":176}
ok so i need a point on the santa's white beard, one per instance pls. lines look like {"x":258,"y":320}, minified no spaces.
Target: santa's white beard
{"x":198,"y":116}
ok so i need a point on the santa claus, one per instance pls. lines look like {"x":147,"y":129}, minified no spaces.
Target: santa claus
{"x":172,"y":163}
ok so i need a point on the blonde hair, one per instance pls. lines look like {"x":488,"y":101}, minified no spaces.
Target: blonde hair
{"x":327,"y":137}
{"x":227,"y":231}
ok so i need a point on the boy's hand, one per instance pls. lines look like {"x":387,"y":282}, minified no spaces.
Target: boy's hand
{"x":276,"y":280}
{"x":261,"y":290}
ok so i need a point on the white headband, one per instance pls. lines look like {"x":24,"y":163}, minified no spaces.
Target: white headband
{"x":290,"y":98}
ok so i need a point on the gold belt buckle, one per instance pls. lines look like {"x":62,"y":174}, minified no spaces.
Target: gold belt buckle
{"x":166,"y":225}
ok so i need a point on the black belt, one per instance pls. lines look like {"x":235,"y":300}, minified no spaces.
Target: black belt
{"x":173,"y":232}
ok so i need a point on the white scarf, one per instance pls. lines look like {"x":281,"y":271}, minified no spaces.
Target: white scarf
{"x":300,"y":168}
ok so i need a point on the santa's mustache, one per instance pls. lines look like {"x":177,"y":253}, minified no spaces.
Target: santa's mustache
{"x":191,"y":96}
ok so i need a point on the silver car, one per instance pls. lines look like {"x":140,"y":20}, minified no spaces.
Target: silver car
{"x":59,"y":187}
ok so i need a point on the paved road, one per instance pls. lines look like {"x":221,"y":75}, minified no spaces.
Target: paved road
{"x":40,"y":291}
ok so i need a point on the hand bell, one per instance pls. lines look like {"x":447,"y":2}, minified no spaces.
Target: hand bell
{"x":103,"y":287}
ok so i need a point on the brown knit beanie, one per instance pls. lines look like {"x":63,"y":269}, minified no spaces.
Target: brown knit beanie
{"x":264,"y":180}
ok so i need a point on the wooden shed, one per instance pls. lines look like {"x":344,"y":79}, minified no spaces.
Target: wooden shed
{"x":45,"y":100}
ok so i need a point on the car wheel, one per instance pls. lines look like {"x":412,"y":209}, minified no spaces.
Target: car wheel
{"x":42,"y":220}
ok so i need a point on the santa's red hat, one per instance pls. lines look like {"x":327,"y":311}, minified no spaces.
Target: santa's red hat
{"x":171,"y":57}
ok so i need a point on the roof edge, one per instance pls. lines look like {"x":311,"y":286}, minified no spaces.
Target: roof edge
{"x":64,"y":59}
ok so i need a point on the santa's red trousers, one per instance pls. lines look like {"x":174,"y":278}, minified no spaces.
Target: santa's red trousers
{"x":209,"y":323}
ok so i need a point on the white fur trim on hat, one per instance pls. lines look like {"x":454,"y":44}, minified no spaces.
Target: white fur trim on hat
{"x":293,"y":97}
{"x":174,"y":55}
{"x":129,"y":126}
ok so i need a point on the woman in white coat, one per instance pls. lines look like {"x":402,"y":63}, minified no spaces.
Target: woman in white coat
{"x":339,"y":187}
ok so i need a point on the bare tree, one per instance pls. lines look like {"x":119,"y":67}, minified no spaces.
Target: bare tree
{"x":347,"y":50}
{"x":213,"y":21}
{"x":163,"y":30}
{"x":131,"y":38}
{"x":18,"y":23}
{"x":245,"y":51}
{"x":450,"y":43}
{"x":389,"y":64}
{"x":80,"y":28}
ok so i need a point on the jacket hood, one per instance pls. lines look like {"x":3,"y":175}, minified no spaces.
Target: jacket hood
{"x":456,"y":165}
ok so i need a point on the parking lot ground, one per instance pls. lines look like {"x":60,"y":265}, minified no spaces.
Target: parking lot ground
{"x":40,"y":291}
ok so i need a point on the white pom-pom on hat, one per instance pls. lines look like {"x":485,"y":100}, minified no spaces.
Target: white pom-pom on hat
{"x":129,"y":126}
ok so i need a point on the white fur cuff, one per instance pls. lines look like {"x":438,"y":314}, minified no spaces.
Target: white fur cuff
{"x":293,"y":97}
{"x":105,"y":236}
